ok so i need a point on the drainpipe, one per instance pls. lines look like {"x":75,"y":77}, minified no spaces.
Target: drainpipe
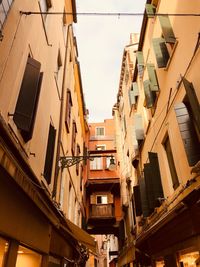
{"x":61,"y":118}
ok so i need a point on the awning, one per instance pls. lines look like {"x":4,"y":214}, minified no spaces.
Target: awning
{"x":80,"y":235}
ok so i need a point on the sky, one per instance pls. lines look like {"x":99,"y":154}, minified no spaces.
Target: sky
{"x":101,"y":41}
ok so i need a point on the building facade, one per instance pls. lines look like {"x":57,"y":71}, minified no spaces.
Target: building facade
{"x":42,"y":121}
{"x":165,"y":120}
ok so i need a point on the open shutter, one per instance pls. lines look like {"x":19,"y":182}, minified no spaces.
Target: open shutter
{"x":140,"y":58}
{"x":149,"y":95}
{"x":167,"y":29}
{"x":131,"y":97}
{"x":152,"y":77}
{"x":24,"y":115}
{"x":139,"y":128}
{"x":188,"y":134}
{"x":110,"y":199}
{"x":121,"y":232}
{"x":135,"y":89}
{"x":49,"y":154}
{"x":150,"y":10}
{"x":161,"y":52}
{"x":149,"y":186}
{"x":156,"y":178}
{"x":137,"y":200}
{"x":92,"y":199}
{"x":144,"y":200}
{"x":194,"y":103}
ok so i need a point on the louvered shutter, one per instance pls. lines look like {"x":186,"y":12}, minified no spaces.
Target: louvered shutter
{"x":137,"y":200}
{"x":149,"y":95}
{"x":49,"y":154}
{"x":24,"y":115}
{"x":167,"y":29}
{"x":131,"y":97}
{"x":188,"y":134}
{"x":139,"y":128}
{"x":92,"y":199}
{"x":156,"y":178}
{"x":144,"y":199}
{"x":161,"y":52}
{"x":149,"y":186}
{"x":194,"y":103}
{"x":152,"y":77}
{"x":150,"y":10}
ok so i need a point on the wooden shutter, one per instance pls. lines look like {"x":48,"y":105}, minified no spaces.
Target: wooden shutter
{"x":73,"y":144}
{"x":167,"y":29}
{"x":131,"y":97}
{"x":140,"y":58}
{"x":144,"y":200}
{"x":110,"y":199}
{"x":161,"y":52}
{"x":156,"y":178}
{"x":152,"y":77}
{"x":135,"y":89}
{"x":194,"y":103}
{"x":149,"y":95}
{"x":68,"y":110}
{"x":150,"y":10}
{"x":188,"y":134}
{"x":137,"y":200}
{"x":25,"y":110}
{"x":49,"y":154}
{"x":92,"y":199}
{"x":149,"y":186}
{"x":139,"y":128}
{"x":121,"y":231}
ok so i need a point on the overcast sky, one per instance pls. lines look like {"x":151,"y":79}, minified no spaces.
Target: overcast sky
{"x":101,"y":41}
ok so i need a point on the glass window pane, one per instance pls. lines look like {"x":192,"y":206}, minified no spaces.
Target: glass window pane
{"x":27,"y":257}
{"x":3,"y":251}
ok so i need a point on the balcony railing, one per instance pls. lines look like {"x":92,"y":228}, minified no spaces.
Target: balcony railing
{"x":102,"y":211}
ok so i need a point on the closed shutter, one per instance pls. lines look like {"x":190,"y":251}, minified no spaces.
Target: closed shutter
{"x":49,"y":154}
{"x":150,"y":10}
{"x":137,"y":200}
{"x":188,"y":134}
{"x":131,"y":97}
{"x":152,"y":77}
{"x":149,"y":186}
{"x":167,"y":29}
{"x":92,"y":199}
{"x":161,"y":52}
{"x":110,"y":199}
{"x":157,"y":184}
{"x":121,"y":232}
{"x":144,"y":200}
{"x":194,"y":103}
{"x":25,"y":110}
{"x":139,"y":128}
{"x":149,"y":95}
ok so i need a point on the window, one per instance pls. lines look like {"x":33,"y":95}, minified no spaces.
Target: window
{"x":26,"y":107}
{"x":49,"y":154}
{"x":172,"y":167}
{"x":5,"y":6}
{"x":138,"y":126}
{"x":59,"y":64}
{"x":3,"y":251}
{"x":133,"y":94}
{"x":27,"y":257}
{"x":100,"y":147}
{"x":64,"y":21}
{"x":103,"y":199}
{"x":74,"y":132}
{"x":100,"y":131}
{"x":68,"y":110}
{"x":140,"y":63}
{"x":78,"y":151}
{"x":45,"y":5}
{"x":96,"y":164}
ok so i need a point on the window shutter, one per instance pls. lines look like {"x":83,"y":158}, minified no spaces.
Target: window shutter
{"x":131,"y":97}
{"x":149,"y":95}
{"x":110,"y":199}
{"x":49,"y":154}
{"x":137,"y":200}
{"x":73,"y":144}
{"x":92,"y":199}
{"x":68,"y":110}
{"x":150,"y":10}
{"x":188,"y":134}
{"x":194,"y":103}
{"x":167,"y":29}
{"x":156,"y":178}
{"x":152,"y":77}
{"x":149,"y":186}
{"x":121,"y":231}
{"x":139,"y":128}
{"x":140,"y":58}
{"x":25,"y":110}
{"x":135,"y":89}
{"x":161,"y":52}
{"x":144,"y":200}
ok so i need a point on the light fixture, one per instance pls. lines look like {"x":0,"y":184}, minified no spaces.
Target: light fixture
{"x":68,"y":161}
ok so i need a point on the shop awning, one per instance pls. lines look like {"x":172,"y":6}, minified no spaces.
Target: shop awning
{"x":80,"y":235}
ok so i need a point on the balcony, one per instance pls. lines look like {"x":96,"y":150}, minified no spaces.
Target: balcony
{"x":102,"y":211}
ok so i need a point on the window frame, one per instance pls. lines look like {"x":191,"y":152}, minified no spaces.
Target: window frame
{"x":96,"y":131}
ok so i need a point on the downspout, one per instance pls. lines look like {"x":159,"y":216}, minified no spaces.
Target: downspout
{"x":61,"y":118}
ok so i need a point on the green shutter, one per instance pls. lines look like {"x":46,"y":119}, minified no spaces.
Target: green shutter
{"x":167,"y":29}
{"x":137,"y":200}
{"x":139,"y":128}
{"x":150,"y":10}
{"x":152,"y":77}
{"x":135,"y":89}
{"x":144,"y":200}
{"x":149,"y":95}
{"x":131,"y":97}
{"x":161,"y":52}
{"x":140,"y":58}
{"x":188,"y":134}
{"x":149,"y":186}
{"x":194,"y":103}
